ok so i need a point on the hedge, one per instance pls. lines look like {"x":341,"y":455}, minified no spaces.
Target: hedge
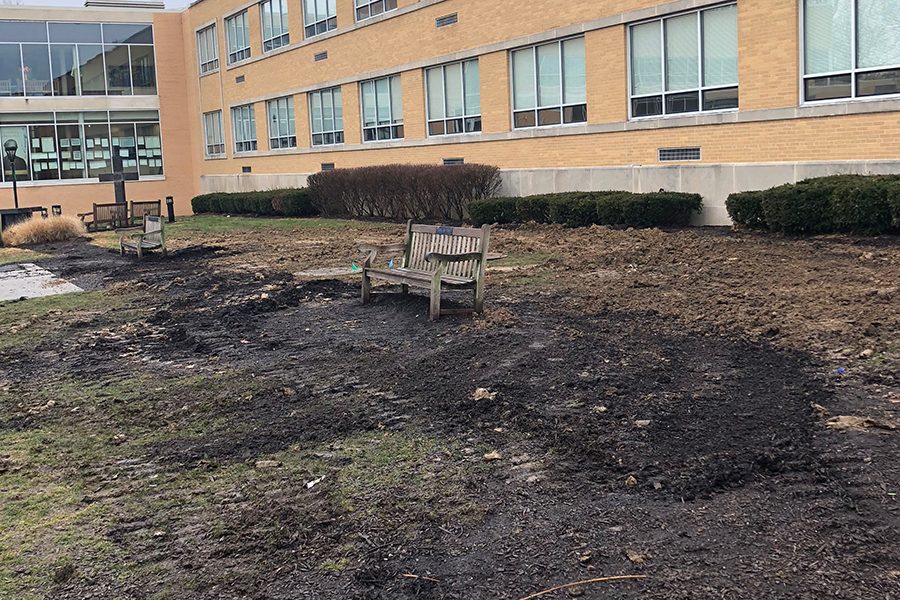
{"x":582,"y":209}
{"x":286,"y":203}
{"x":868,"y":204}
{"x":421,"y":192}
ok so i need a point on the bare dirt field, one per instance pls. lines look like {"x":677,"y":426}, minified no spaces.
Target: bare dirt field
{"x":714,"y":411}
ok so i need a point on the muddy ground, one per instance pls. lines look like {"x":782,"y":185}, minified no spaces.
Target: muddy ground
{"x":671,"y":405}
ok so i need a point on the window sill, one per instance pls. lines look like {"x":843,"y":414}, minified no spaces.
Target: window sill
{"x":545,"y":127}
{"x":239,"y":63}
{"x":208,"y":73}
{"x":851,"y":101}
{"x":216,"y":157}
{"x":698,"y":113}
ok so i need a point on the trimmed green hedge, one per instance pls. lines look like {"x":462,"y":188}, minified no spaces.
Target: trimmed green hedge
{"x":283,"y":203}
{"x":582,"y":209}
{"x":868,"y":204}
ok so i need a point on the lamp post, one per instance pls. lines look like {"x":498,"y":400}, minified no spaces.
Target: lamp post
{"x":10,"y":148}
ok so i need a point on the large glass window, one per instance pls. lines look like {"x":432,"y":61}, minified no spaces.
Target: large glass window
{"x":382,"y":109}
{"x":851,"y":49}
{"x":454,"y":98}
{"x":83,"y":145}
{"x":208,"y":50}
{"x":319,"y":16}
{"x":685,"y":63}
{"x":243,"y":125}
{"x":549,"y":84}
{"x":326,"y":116}
{"x":238,"y":34}
{"x":274,"y":17}
{"x":371,"y":8}
{"x":214,"y":134}
{"x":282,"y":130}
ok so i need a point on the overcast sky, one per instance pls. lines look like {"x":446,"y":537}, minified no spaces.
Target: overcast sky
{"x":169,"y":3}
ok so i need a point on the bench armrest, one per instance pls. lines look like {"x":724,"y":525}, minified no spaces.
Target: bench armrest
{"x":452,"y":258}
{"x":372,"y":251}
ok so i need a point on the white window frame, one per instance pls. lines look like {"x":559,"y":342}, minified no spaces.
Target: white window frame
{"x":663,"y":91}
{"x":337,"y":135}
{"x":216,"y":148}
{"x":283,"y":38}
{"x":393,"y":125}
{"x":236,"y":52}
{"x":278,"y":139}
{"x":243,"y":121}
{"x":324,"y":22}
{"x":368,"y":5}
{"x":207,"y":39}
{"x":537,"y":109}
{"x":853,"y":72}
{"x":466,"y":118}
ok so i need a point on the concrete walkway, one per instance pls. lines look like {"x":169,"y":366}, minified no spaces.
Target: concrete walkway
{"x":31,"y":281}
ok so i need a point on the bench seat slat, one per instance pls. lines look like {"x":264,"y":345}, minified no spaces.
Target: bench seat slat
{"x":419,"y":278}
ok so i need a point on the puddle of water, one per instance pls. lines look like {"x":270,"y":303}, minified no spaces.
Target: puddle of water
{"x":31,"y":281}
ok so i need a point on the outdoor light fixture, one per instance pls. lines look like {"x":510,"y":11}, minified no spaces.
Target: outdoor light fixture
{"x":10,"y":148}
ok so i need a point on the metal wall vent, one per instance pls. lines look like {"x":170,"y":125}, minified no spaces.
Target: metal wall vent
{"x":678,"y":154}
{"x":447,"y":20}
{"x":328,"y":166}
{"x":321,"y":56}
{"x":449,"y":162}
{"x":246,"y":169}
{"x":239,"y":79}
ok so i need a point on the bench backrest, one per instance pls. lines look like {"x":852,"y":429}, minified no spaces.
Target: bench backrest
{"x":153,"y":226}
{"x":139,"y":208}
{"x":114,"y":213}
{"x":423,"y":239}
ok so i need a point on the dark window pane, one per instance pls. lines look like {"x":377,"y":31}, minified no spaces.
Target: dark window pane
{"x":575,"y":114}
{"x":86,"y":33}
{"x":878,"y":83}
{"x":390,"y":4}
{"x":97,"y":152}
{"x":524,"y":119}
{"x":549,"y":116}
{"x":362,"y":13}
{"x":124,"y":147}
{"x":118,"y":33}
{"x":36,"y":69}
{"x":143,"y":70}
{"x":332,"y":23}
{"x":44,"y":158}
{"x":720,"y":99}
{"x":376,"y":8}
{"x":93,"y":76}
{"x":436,"y":128}
{"x":828,"y":88}
{"x":310,"y":30}
{"x":397,"y":132}
{"x":384,"y":133}
{"x":10,"y":70}
{"x":118,"y":70}
{"x":23,"y":31}
{"x":473,"y":124}
{"x":454,"y":126}
{"x":71,"y":153}
{"x":329,"y":138}
{"x":339,"y":137}
{"x":682,"y":103}
{"x":317,"y":139}
{"x":63,"y":60}
{"x":646,"y":107}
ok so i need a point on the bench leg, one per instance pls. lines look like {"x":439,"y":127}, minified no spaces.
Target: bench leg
{"x":121,"y":249}
{"x":140,"y":252}
{"x":435,"y":312}
{"x":479,"y":298}
{"x":404,"y":289}
{"x":366,"y":287}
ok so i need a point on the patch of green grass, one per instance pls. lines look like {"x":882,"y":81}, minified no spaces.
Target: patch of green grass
{"x":25,"y":323}
{"x":184,"y":226}
{"x":20,"y":255}
{"x":335,"y":565}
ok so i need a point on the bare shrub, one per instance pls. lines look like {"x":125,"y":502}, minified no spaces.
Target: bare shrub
{"x":42,"y":231}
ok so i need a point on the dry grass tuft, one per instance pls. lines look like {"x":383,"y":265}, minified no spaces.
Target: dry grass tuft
{"x":41,"y":231}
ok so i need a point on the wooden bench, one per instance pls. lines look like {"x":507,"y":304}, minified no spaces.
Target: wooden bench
{"x":435,"y":258}
{"x":110,"y":215}
{"x":139,"y":208}
{"x":151,"y":238}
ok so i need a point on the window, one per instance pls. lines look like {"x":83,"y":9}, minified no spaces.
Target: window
{"x":326,"y":114}
{"x":851,"y":49}
{"x":319,"y":16}
{"x":38,"y":58}
{"x":274,"y":17}
{"x":208,"y":50}
{"x":371,"y":8}
{"x":243,"y":124}
{"x":212,"y":130}
{"x":549,"y":84}
{"x":82,"y":145}
{"x":686,"y":63}
{"x":454,"y":98}
{"x":282,"y":133}
{"x":382,"y":109}
{"x":238,"y":36}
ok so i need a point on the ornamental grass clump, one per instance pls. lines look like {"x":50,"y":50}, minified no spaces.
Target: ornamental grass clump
{"x":42,"y":231}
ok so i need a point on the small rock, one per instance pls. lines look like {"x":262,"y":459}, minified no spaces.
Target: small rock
{"x":599,"y":410}
{"x":483,"y":394}
{"x":493,"y":455}
{"x":867,"y":353}
{"x":642,"y":424}
{"x":866,"y":256}
{"x":635,"y":557}
{"x":267,"y":464}
{"x":631,"y":481}
{"x":820,"y":410}
{"x":532,"y":479}
{"x":159,"y":534}
{"x":576,"y":592}
{"x":844,"y":422}
{"x":657,"y":485}
{"x":585,"y":558}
